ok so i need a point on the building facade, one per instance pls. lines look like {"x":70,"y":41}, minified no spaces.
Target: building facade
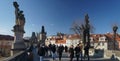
{"x":5,"y":44}
{"x":97,"y":41}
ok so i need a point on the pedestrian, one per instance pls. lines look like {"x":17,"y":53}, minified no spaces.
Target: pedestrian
{"x":71,"y":53}
{"x":60,"y":51}
{"x":41,"y":52}
{"x":66,"y":49}
{"x":49,"y":47}
{"x":30,"y":55}
{"x":31,"y":48}
{"x":46,"y":50}
{"x":81,"y":48}
{"x":53,"y":49}
{"x":77,"y":52}
{"x":86,"y":51}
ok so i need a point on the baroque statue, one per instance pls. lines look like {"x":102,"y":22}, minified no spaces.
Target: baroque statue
{"x":19,"y":18}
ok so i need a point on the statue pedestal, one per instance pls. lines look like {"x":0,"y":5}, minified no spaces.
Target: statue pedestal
{"x":18,"y":29}
{"x":18,"y":44}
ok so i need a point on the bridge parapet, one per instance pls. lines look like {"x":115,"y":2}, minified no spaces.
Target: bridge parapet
{"x":21,"y":56}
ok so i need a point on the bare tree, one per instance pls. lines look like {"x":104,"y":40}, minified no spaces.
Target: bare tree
{"x":79,"y":28}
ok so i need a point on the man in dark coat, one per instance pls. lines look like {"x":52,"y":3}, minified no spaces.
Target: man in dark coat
{"x":66,"y":49}
{"x":86,"y":50}
{"x":46,"y":50}
{"x":77,"y":52}
{"x":30,"y":53}
{"x":53,"y":49}
{"x":60,"y":51}
{"x":50,"y":46}
{"x":71,"y":52}
{"x":41,"y":52}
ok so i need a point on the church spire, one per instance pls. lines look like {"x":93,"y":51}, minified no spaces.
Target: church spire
{"x":42,"y":30}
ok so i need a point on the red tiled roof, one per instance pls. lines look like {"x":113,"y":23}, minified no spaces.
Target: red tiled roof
{"x":118,"y":38}
{"x":111,"y":36}
{"x":74,"y":36}
{"x":96,"y":37}
{"x":6,"y":37}
{"x":60,"y":41}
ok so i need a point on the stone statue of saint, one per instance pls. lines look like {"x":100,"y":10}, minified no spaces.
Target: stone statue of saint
{"x":20,"y":19}
{"x":16,"y":11}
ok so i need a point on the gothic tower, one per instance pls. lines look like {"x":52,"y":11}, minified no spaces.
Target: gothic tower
{"x":42,"y":36}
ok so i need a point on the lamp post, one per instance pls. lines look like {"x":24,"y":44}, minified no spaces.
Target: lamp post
{"x":115,"y":30}
{"x":114,"y":39}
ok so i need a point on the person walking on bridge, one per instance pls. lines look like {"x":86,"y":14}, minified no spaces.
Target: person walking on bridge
{"x":60,"y":51}
{"x":41,"y":52}
{"x":53,"y":49}
{"x":86,"y":53}
{"x":71,"y":52}
{"x":77,"y":52}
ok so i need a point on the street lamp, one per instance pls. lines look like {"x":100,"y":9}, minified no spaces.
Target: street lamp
{"x":115,"y":30}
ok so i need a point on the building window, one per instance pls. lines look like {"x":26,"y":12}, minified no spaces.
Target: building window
{"x":101,"y":43}
{"x":91,"y":39}
{"x":102,"y":39}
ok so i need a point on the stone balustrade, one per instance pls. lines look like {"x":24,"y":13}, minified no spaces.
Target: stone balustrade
{"x":21,"y":56}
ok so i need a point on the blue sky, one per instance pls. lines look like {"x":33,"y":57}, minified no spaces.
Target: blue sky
{"x":58,"y":15}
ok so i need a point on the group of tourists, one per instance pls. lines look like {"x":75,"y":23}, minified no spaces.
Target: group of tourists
{"x":78,"y":52}
{"x":53,"y":51}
